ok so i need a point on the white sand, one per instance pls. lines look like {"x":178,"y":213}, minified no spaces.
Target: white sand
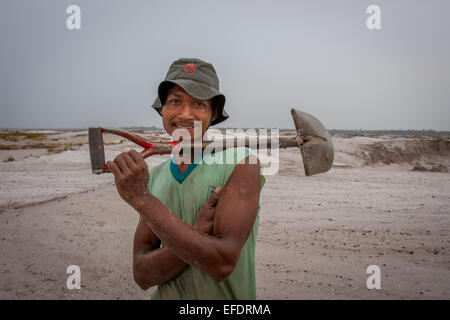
{"x":316,"y":238}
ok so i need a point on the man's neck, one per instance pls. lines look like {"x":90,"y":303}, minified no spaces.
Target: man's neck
{"x":193,"y":155}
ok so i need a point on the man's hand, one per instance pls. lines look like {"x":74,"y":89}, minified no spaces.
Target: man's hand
{"x":131,"y":177}
{"x":206,"y":214}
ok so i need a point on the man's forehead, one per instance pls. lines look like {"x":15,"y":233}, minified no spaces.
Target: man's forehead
{"x":179,"y":91}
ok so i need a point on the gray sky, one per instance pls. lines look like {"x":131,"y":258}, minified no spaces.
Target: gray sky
{"x":317,"y":56}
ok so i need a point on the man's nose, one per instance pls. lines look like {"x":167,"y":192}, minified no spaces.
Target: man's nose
{"x":186,"y":112}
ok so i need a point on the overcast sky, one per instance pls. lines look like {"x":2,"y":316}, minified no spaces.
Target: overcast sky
{"x":317,"y":56}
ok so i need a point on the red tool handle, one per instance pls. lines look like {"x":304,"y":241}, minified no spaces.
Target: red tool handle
{"x":130,"y":136}
{"x":150,"y":148}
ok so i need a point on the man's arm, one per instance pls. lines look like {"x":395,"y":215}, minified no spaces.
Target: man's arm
{"x":153,"y":265}
{"x":236,"y":212}
{"x":235,"y":215}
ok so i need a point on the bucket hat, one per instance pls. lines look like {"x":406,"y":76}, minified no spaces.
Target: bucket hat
{"x":199,"y":79}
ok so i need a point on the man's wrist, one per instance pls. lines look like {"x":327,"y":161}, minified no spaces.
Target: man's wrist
{"x":141,"y":203}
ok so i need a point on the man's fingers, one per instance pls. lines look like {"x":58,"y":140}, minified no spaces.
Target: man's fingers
{"x":209,"y":227}
{"x":137,"y":158}
{"x":214,"y":197}
{"x":130,"y":162}
{"x":122,"y":164}
{"x":114,"y":169}
{"x":215,"y":194}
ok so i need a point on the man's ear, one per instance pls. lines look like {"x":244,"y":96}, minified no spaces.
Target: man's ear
{"x":214,"y":115}
{"x":215,"y":112}
{"x":161,"y":109}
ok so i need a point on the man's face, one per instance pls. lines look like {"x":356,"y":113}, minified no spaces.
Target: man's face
{"x":180,"y":111}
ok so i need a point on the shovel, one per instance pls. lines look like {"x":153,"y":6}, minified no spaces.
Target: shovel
{"x":314,"y":141}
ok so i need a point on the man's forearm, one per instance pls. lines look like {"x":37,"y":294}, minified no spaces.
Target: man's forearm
{"x":157,"y":266}
{"x":194,"y":248}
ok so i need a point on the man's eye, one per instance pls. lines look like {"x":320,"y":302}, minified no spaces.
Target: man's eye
{"x":174,"y":100}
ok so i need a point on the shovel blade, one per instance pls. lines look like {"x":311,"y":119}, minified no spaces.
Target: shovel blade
{"x":96,"y":149}
{"x":314,"y":141}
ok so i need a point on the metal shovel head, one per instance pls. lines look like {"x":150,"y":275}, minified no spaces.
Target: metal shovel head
{"x":314,"y":142}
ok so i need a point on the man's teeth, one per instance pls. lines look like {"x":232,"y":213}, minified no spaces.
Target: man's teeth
{"x":184,"y":126}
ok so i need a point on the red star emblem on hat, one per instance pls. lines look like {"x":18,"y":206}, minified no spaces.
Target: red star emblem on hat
{"x":189,"y":67}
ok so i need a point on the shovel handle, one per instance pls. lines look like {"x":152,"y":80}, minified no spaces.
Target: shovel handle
{"x":130,"y":136}
{"x":155,"y":148}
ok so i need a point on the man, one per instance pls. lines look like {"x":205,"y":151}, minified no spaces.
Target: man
{"x":198,"y":219}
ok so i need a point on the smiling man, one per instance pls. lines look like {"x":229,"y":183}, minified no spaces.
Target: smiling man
{"x":198,"y":219}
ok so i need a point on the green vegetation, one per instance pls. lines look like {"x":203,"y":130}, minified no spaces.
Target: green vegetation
{"x":142,"y":128}
{"x":9,"y":159}
{"x":435,"y":168}
{"x":27,"y":135}
{"x":53,"y":149}
{"x":113,"y":142}
{"x":418,"y":167}
{"x":31,"y":156}
{"x":56,"y":149}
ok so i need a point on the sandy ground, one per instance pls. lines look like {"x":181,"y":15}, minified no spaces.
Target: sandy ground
{"x":316,"y":238}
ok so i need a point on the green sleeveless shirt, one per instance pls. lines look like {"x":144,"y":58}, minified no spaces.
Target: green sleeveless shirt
{"x":184,"y":194}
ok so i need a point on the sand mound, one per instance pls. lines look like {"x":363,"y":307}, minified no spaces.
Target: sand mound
{"x":431,"y":154}
{"x":427,"y":152}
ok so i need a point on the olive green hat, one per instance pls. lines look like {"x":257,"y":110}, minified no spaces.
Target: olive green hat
{"x":199,"y":79}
